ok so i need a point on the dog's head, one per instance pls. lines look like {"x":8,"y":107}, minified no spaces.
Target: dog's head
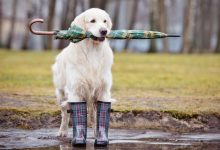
{"x":96,"y":21}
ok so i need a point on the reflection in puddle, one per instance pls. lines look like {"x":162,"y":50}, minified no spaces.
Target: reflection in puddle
{"x":45,"y":139}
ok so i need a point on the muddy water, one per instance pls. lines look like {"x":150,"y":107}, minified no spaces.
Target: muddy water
{"x":45,"y":139}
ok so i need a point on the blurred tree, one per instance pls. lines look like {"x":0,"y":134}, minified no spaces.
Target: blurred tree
{"x":132,"y":20}
{"x":68,"y":15}
{"x":92,"y":3}
{"x":203,"y":27}
{"x":188,"y":25}
{"x":1,"y":20}
{"x":98,"y":4}
{"x":12,"y":24}
{"x":82,"y":3}
{"x":197,"y":30}
{"x":115,"y":20}
{"x":207,"y":25}
{"x":116,"y":14}
{"x":29,"y":15}
{"x":163,"y":21}
{"x":153,"y":24}
{"x":50,"y":22}
{"x":102,"y":4}
{"x":217,"y":49}
{"x":41,"y":6}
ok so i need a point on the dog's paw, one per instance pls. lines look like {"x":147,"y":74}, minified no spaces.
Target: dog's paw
{"x":62,"y":133}
{"x":113,"y":100}
{"x":64,"y":105}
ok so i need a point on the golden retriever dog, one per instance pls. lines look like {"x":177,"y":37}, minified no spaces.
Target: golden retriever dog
{"x":82,"y":71}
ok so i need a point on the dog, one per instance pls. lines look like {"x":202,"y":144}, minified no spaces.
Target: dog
{"x":82,"y":71}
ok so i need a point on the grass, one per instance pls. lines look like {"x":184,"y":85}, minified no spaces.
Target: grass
{"x":170,"y":83}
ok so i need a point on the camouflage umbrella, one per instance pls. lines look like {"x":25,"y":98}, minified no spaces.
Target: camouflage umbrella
{"x":76,"y":34}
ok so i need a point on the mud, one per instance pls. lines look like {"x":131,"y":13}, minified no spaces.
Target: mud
{"x":46,"y":139}
{"x":127,"y":120}
{"x":166,"y":121}
{"x":35,"y":112}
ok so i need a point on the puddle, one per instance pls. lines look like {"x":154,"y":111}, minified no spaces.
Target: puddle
{"x":45,"y":139}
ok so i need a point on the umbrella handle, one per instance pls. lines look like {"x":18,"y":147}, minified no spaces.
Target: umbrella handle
{"x":40,"y":32}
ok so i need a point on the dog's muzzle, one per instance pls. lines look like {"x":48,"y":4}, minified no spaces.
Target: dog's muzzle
{"x":98,"y":38}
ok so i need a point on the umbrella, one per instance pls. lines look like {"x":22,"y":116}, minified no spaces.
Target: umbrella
{"x":76,"y":34}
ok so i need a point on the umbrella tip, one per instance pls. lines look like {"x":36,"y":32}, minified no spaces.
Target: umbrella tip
{"x":173,"y":35}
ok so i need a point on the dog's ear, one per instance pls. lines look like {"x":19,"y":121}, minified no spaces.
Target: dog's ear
{"x":109,"y":22}
{"x":79,"y":21}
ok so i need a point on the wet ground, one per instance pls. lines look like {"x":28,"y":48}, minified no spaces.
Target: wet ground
{"x":45,"y":139}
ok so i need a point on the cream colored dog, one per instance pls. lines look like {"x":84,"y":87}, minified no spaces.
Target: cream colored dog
{"x":82,"y":71}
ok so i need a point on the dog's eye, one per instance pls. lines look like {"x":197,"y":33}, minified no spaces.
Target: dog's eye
{"x":92,"y":21}
{"x":105,"y":21}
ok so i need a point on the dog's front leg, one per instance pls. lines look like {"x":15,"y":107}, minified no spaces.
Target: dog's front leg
{"x":106,"y":95}
{"x":64,"y":122}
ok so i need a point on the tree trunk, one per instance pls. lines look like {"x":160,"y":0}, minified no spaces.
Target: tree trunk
{"x":1,"y":20}
{"x":115,"y":19}
{"x":12,"y":24}
{"x":29,"y":15}
{"x":116,"y":15}
{"x":153,"y":25}
{"x":163,"y":22}
{"x":82,"y":4}
{"x":208,"y":17}
{"x":62,"y":43}
{"x":92,"y":3}
{"x":203,"y":27}
{"x":50,"y":22}
{"x":132,"y":21}
{"x":69,"y":13}
{"x":217,"y":49}
{"x":188,"y":26}
{"x":102,"y":4}
{"x":197,"y":40}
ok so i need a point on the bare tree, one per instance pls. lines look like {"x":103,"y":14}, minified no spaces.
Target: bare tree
{"x":82,"y":4}
{"x":204,"y":25}
{"x":163,"y":21}
{"x":116,"y":14}
{"x":217,"y":49}
{"x":12,"y":24}
{"x":1,"y":20}
{"x":132,"y":21}
{"x":29,"y":15}
{"x":92,"y":3}
{"x":153,"y":25}
{"x":188,"y":26}
{"x":64,"y":25}
{"x":68,"y":15}
{"x":50,"y":19}
{"x":207,"y":25}
{"x":40,"y":8}
{"x":115,"y":20}
{"x":197,"y":41}
{"x":102,"y":4}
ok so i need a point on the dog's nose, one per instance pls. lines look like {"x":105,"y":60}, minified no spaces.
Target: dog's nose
{"x":103,"y":31}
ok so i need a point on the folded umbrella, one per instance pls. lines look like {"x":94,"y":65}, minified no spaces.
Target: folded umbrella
{"x":76,"y":34}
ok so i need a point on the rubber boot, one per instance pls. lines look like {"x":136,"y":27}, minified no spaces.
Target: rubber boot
{"x":103,"y":116}
{"x":79,"y":119}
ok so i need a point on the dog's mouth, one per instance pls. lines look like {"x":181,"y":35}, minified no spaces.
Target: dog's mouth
{"x":98,"y":38}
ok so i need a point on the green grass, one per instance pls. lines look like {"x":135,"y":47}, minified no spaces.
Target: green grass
{"x":183,"y":83}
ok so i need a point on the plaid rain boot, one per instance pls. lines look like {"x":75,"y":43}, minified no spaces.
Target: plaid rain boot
{"x":103,"y":115}
{"x":79,"y":118}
